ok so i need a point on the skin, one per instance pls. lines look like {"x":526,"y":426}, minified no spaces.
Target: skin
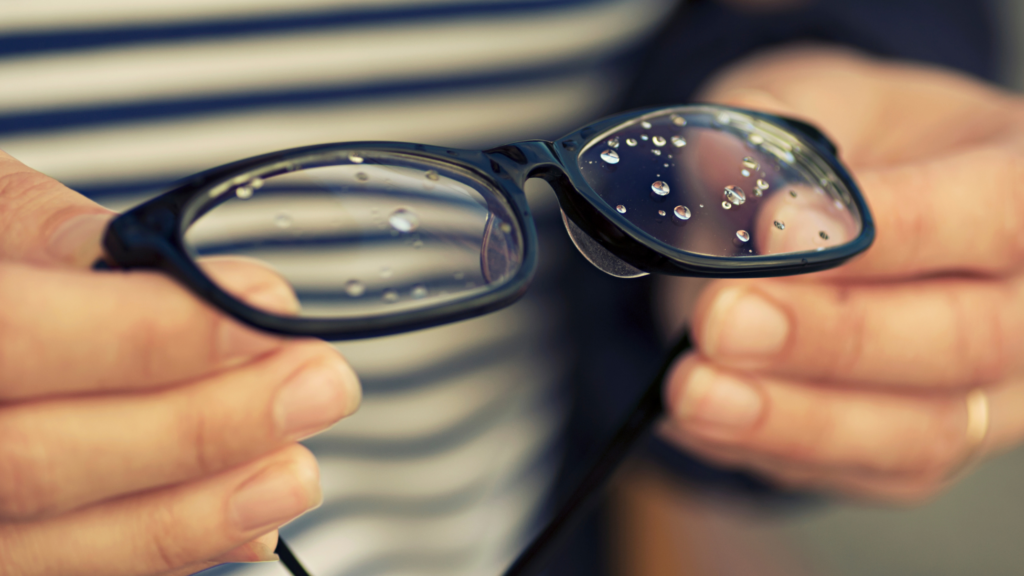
{"x":138,"y":442}
{"x":855,"y":380}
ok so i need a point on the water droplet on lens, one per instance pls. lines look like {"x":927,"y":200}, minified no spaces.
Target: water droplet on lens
{"x":385,"y":272}
{"x":243,"y":192}
{"x":661,"y":213}
{"x":256,"y":183}
{"x":678,"y":141}
{"x":644,"y":137}
{"x":660,"y":188}
{"x":419,"y":291}
{"x":678,"y":120}
{"x":756,"y":139}
{"x":762,"y":184}
{"x":681,"y":212}
{"x":613,"y":142}
{"x":630,"y":142}
{"x":656,"y":152}
{"x":743,"y":236}
{"x":432,"y":175}
{"x":744,"y":172}
{"x":792,"y":193}
{"x":404,"y":220}
{"x":354,"y":288}
{"x":610,"y":156}
{"x":823,"y":234}
{"x":390,"y":295}
{"x":780,"y":225}
{"x":726,"y":205}
{"x":735,"y":195}
{"x":283,"y":221}
{"x":362,"y":177}
{"x":723,"y":118}
{"x":621,"y":209}
{"x":750,"y":164}
{"x":505,"y":227}
{"x":355,"y":159}
{"x":646,"y":125}
{"x":658,"y":140}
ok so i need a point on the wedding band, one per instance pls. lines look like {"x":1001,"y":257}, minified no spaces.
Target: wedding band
{"x":977,"y":431}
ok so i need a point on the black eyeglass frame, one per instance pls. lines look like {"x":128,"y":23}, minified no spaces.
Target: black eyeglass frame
{"x":151,"y":236}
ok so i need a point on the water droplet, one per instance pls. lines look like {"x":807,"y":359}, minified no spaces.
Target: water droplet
{"x":762,"y":184}
{"x":726,"y":205}
{"x":610,"y":156}
{"x":505,"y":227}
{"x":681,"y":212}
{"x":613,"y":142}
{"x":646,"y":125}
{"x":701,"y":205}
{"x":824,"y":181}
{"x":780,"y":225}
{"x":756,"y":139}
{"x":792,"y":193}
{"x":256,"y":183}
{"x":665,"y":165}
{"x":658,"y":141}
{"x":419,"y":291}
{"x":750,"y":164}
{"x":432,"y":175}
{"x":630,"y":142}
{"x":656,"y":152}
{"x":390,"y":295}
{"x":723,"y":118}
{"x":661,"y":213}
{"x":362,"y":177}
{"x":354,"y":288}
{"x":644,"y":137}
{"x":621,"y":209}
{"x":678,"y":141}
{"x":678,"y":120}
{"x":386,"y":272}
{"x":243,"y":192}
{"x":355,"y":159}
{"x":823,"y":234}
{"x":660,"y":188}
{"x":404,"y":220}
{"x":757,"y":192}
{"x":283,"y":221}
{"x":735,"y":195}
{"x":744,"y":172}
{"x":743,"y":236}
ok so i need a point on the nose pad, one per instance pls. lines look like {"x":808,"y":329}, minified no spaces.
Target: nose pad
{"x":598,"y":255}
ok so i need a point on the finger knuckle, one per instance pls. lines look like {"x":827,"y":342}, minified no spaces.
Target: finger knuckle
{"x":983,"y":335}
{"x":197,"y":433}
{"x":25,"y":487}
{"x":167,"y":548}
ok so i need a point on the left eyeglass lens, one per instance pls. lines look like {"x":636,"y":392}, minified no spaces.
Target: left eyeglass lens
{"x":364,"y":233}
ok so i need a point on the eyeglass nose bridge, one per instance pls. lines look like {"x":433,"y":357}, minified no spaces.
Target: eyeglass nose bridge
{"x":597,"y":237}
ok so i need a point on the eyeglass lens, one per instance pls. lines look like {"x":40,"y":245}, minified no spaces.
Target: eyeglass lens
{"x":365,"y":233}
{"x":720,"y":183}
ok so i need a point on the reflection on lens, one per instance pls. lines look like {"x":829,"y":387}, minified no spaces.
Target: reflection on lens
{"x":735,"y":172}
{"x":365,"y":234}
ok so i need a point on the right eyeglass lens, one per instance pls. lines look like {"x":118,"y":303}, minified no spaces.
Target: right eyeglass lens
{"x":364,"y":233}
{"x":719,"y":182}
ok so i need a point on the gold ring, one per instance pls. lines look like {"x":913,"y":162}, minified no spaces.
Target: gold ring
{"x":977,"y":431}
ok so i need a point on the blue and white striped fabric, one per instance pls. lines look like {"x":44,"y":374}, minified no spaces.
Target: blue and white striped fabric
{"x":445,"y":466}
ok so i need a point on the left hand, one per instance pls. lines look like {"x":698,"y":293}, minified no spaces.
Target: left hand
{"x":857,"y":380}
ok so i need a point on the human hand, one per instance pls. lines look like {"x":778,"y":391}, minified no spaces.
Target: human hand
{"x":856,"y":380}
{"x":141,"y":431}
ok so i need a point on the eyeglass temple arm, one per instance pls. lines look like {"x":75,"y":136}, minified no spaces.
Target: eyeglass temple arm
{"x":532,"y":559}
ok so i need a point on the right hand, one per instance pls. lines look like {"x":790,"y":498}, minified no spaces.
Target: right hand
{"x":141,"y":431}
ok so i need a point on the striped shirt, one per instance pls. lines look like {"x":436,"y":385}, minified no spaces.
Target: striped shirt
{"x":444,"y":468}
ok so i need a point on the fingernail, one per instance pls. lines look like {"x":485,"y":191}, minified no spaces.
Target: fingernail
{"x":718,"y":400}
{"x":743,"y":324}
{"x":259,"y":550}
{"x":78,"y":241}
{"x":276,"y":298}
{"x":275,"y":496}
{"x":313,"y":399}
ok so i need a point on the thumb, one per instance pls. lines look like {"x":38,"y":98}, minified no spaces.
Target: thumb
{"x":45,"y":222}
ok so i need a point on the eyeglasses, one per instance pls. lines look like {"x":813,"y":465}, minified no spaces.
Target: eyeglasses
{"x":379,"y":238}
